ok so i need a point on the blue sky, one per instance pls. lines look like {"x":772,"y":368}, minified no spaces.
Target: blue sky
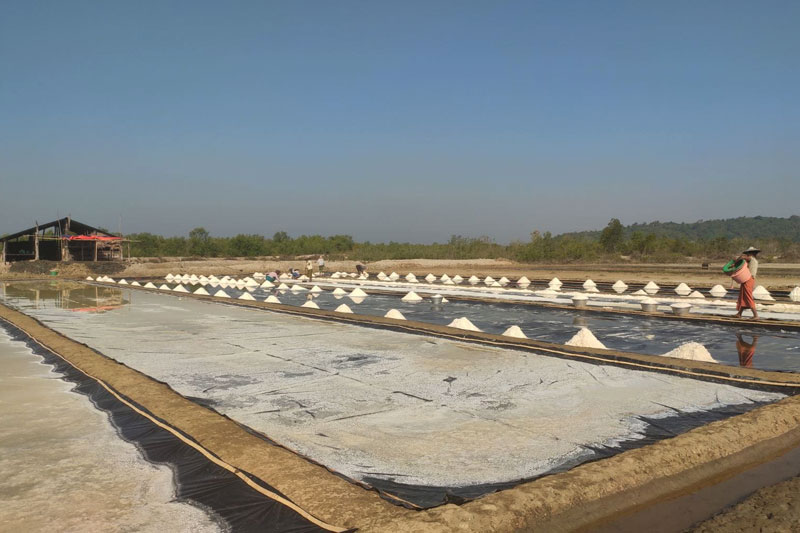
{"x":397,"y":120}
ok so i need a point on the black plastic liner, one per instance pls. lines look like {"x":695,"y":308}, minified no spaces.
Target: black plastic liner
{"x":234,"y":505}
{"x":657,"y":429}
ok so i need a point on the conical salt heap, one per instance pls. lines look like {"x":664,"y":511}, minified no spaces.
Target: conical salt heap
{"x":164,"y":287}
{"x":463,"y":323}
{"x":619,"y":286}
{"x":640,"y":292}
{"x":495,"y":284}
{"x":122,"y":282}
{"x":683,"y":289}
{"x":335,"y":275}
{"x":338,"y":291}
{"x":283,"y":287}
{"x":457,"y":279}
{"x":267,"y":285}
{"x":251,"y":283}
{"x":430,"y":278}
{"x":515,"y":331}
{"x":136,"y":283}
{"x":697,"y":294}
{"x":194,"y":277}
{"x":555,"y":284}
{"x":316,"y":289}
{"x":272,"y":299}
{"x":410,"y":277}
{"x":546,"y":293}
{"x":718,"y":291}
{"x":394,"y":313}
{"x":523,"y":281}
{"x":651,"y":288}
{"x":109,"y":280}
{"x":394,"y":276}
{"x":89,"y":278}
{"x":358,"y":293}
{"x":246,"y":296}
{"x":590,"y":286}
{"x":488,"y":280}
{"x":444,"y":278}
{"x":298,"y":288}
{"x":760,"y":293}
{"x":311,"y":304}
{"x":149,"y":285}
{"x":203,"y":278}
{"x":585,"y":339}
{"x":692,"y":351}
{"x":794,"y":294}
{"x":221,"y":294}
{"x":381,"y":275}
{"x":213,"y":278}
{"x":411,"y":297}
{"x":503,"y":281}
{"x":169,"y":277}
{"x":202,"y":292}
{"x":473,"y":280}
{"x":448,"y":282}
{"x":180,"y":288}
{"x":343,"y":309}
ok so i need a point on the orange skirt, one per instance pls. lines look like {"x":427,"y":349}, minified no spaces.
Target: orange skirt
{"x":746,"y":300}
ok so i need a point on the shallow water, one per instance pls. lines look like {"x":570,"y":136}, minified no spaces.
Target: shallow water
{"x":64,"y":468}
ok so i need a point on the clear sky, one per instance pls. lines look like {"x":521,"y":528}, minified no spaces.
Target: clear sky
{"x":405,"y":120}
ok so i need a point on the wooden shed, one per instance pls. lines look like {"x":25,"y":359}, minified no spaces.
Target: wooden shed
{"x":62,"y":240}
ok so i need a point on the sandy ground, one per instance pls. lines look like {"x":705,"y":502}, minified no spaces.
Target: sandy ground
{"x":773,"y":509}
{"x":774,"y":276}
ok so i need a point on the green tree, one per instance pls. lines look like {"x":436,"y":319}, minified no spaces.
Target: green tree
{"x":611,"y":236}
{"x":199,"y":242}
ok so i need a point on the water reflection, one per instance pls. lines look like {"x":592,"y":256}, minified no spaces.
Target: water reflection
{"x":65,"y":295}
{"x":746,"y":350}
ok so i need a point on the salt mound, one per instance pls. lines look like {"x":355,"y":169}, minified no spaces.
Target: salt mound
{"x":473,"y":280}
{"x":89,"y":278}
{"x":683,"y":289}
{"x":523,"y":281}
{"x":283,"y":287}
{"x":411,"y":277}
{"x":589,"y":284}
{"x":760,"y":293}
{"x":303,"y":278}
{"x":619,"y":286}
{"x":503,"y":281}
{"x":794,"y":294}
{"x":136,"y":284}
{"x":203,"y":278}
{"x":251,"y":283}
{"x":457,"y":279}
{"x":246,"y":296}
{"x":693,"y":351}
{"x":186,"y":278}
{"x":149,"y":285}
{"x":394,"y":276}
{"x":444,"y":278}
{"x":202,"y":292}
{"x":122,"y":282}
{"x":310,"y":304}
{"x":488,"y":280}
{"x":180,"y":288}
{"x":335,"y":275}
{"x":651,"y":286}
{"x":445,"y":300}
{"x":272,"y":299}
{"x":169,"y":277}
{"x":555,"y":283}
{"x":298,"y":288}
{"x":213,"y":278}
{"x":696,"y":294}
{"x":109,"y":280}
{"x":718,"y":291}
{"x":514,"y":331}
{"x":640,"y":292}
{"x":316,"y":289}
{"x":267,"y":285}
{"x":194,"y":277}
{"x":343,"y":309}
{"x":338,"y":291}
{"x":164,"y":287}
{"x":411,"y":297}
{"x":448,"y":282}
{"x":463,"y":323}
{"x":430,"y":278}
{"x":546,"y":293}
{"x":495,"y":284}
{"x":357,"y":299}
{"x":394,"y":313}
{"x":585,"y":339}
{"x":358,"y":293}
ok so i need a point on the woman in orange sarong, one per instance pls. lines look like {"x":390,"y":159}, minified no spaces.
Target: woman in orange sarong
{"x":746,"y":350}
{"x":746,"y":300}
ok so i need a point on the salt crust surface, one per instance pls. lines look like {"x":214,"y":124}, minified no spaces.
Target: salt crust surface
{"x":493,"y":414}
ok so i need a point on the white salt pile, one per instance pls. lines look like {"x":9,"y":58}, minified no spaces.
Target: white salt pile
{"x":283,"y":287}
{"x":697,"y":294}
{"x":457,"y":279}
{"x":718,"y":291}
{"x":164,"y":287}
{"x":640,"y":292}
{"x":298,"y":288}
{"x":272,"y":299}
{"x":382,"y":275}
{"x":411,"y":297}
{"x":149,"y":285}
{"x":760,"y":293}
{"x":343,"y":309}
{"x":194,"y":277}
{"x":136,"y":284}
{"x":683,"y":289}
{"x":444,"y":278}
{"x":692,"y":351}
{"x":546,"y":293}
{"x":186,"y":278}
{"x":619,"y":286}
{"x":338,"y":291}
{"x":202,"y":292}
{"x":463,"y":323}
{"x":335,"y":275}
{"x":555,"y":284}
{"x":357,"y":299}
{"x":651,"y":286}
{"x":523,"y":281}
{"x":515,"y":331}
{"x":430,"y":278}
{"x":203,"y":278}
{"x":358,"y":293}
{"x":251,"y":283}
{"x":585,"y":339}
{"x":503,"y":281}
{"x":589,"y":284}
{"x":445,"y":300}
{"x":267,"y":285}
{"x":246,"y":296}
{"x":448,"y":282}
{"x":488,"y":280}
{"x":310,"y":304}
{"x":316,"y":289}
{"x":394,"y":276}
{"x":108,"y":280}
{"x":495,"y":284}
{"x":122,"y":282}
{"x":89,"y":278}
{"x":410,"y":277}
{"x":473,"y":280}
{"x":169,"y":277}
{"x":180,"y":288}
{"x":794,"y":294}
{"x":394,"y":313}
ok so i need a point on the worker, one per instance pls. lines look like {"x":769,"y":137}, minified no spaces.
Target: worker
{"x":309,"y":269}
{"x":746,"y":300}
{"x":361,"y":268}
{"x":321,"y":264}
{"x":273,"y":276}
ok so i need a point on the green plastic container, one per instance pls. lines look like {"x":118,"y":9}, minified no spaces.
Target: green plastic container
{"x":54,"y":272}
{"x":732,"y":266}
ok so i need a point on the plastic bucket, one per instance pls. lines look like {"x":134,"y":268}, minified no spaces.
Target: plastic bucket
{"x":737,"y":269}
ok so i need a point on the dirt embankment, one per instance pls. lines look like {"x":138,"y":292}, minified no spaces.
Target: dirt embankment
{"x":774,"y":276}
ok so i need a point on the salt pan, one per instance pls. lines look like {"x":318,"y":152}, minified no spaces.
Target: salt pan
{"x":585,"y":339}
{"x":463,"y":323}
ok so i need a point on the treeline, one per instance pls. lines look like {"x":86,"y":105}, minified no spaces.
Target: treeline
{"x":614,"y":243}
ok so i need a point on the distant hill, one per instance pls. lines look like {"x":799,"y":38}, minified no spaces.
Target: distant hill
{"x":748,"y":228}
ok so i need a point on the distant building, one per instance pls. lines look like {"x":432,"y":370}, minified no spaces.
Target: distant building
{"x":62,"y":240}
